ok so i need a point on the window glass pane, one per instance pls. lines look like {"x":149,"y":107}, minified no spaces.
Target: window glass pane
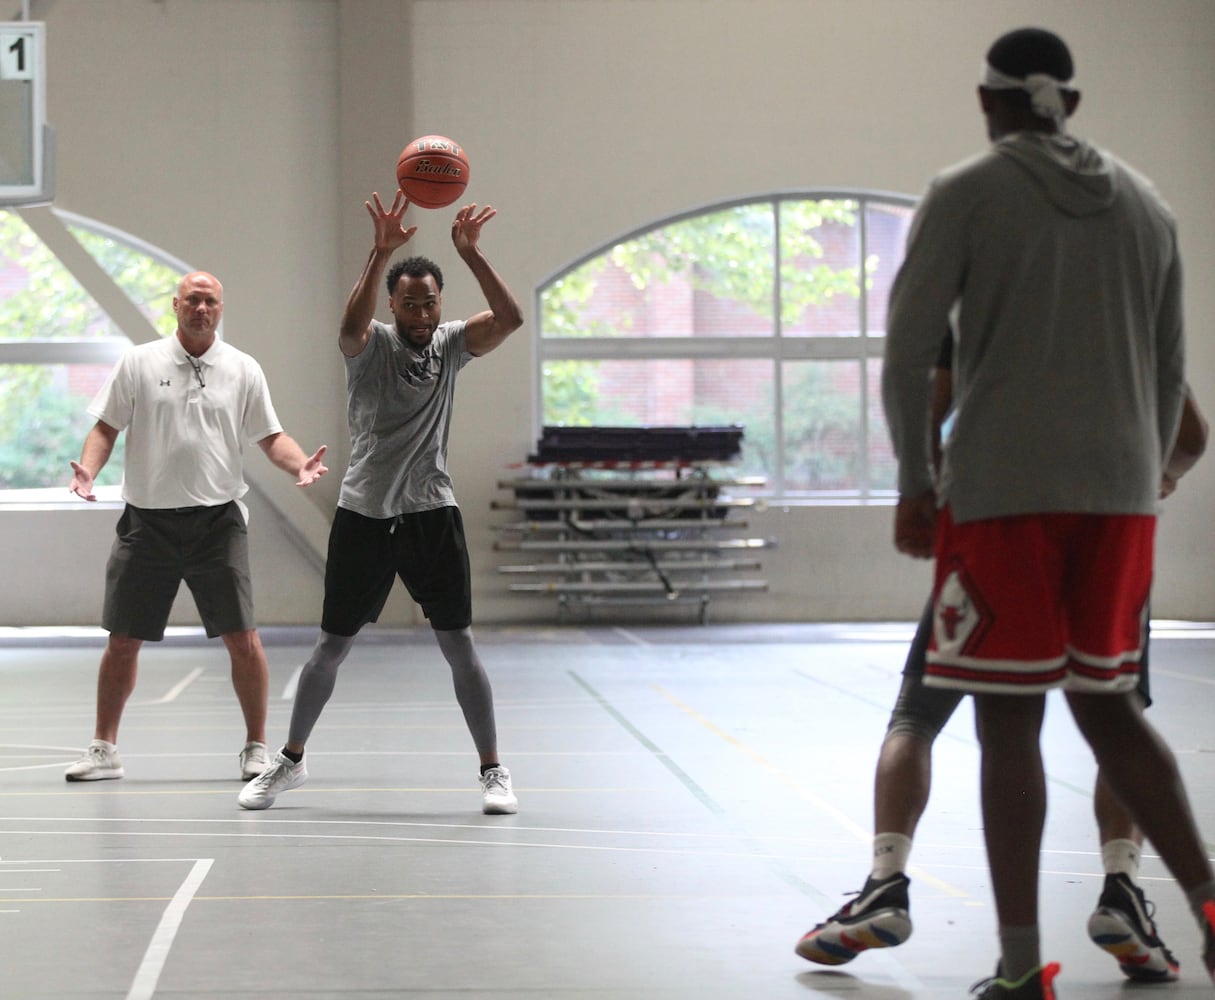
{"x":146,"y":282}
{"x":886,"y":228}
{"x":678,"y":393}
{"x":709,"y":276}
{"x":820,"y":256}
{"x":883,"y":470}
{"x":43,"y":424}
{"x":821,"y":412}
{"x":41,"y":299}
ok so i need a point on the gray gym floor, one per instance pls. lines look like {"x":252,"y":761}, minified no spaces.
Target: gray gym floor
{"x":692,"y":799}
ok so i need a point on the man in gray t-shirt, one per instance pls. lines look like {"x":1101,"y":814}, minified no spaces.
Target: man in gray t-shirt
{"x":397,"y":514}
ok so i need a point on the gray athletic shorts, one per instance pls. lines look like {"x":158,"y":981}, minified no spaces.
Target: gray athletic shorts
{"x":925,"y":710}
{"x":155,"y":550}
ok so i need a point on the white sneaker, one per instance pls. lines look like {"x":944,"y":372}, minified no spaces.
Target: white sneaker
{"x":100,"y":761}
{"x":254,"y":759}
{"x":281,"y":776}
{"x":496,"y":795}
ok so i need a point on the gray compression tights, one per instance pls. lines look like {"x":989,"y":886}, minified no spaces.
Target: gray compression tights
{"x":473,"y":692}
{"x":316,"y":684}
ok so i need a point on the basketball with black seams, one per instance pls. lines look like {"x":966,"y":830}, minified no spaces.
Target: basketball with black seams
{"x":432,"y":171}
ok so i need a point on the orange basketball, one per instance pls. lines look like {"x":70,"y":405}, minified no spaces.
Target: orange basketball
{"x":432,"y":171}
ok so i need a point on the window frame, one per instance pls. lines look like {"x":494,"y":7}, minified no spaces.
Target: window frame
{"x":863,"y":348}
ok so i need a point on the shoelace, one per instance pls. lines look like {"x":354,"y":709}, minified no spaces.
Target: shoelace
{"x":99,"y":755}
{"x":1045,"y":976}
{"x":494,"y":782}
{"x":842,"y":912}
{"x":270,"y":775}
{"x":1149,"y":909}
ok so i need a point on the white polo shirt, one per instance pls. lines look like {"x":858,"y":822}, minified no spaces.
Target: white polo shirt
{"x":185,"y":441}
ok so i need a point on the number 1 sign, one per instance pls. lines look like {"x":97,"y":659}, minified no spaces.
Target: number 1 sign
{"x":24,"y":170}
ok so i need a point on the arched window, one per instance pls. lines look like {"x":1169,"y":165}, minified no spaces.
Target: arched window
{"x":74,"y":294}
{"x":767,"y":313}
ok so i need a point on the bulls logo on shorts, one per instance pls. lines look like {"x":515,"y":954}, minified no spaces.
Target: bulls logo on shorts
{"x":960,"y":616}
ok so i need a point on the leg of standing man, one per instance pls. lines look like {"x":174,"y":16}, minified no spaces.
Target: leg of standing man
{"x":115,"y":682}
{"x":251,"y":682}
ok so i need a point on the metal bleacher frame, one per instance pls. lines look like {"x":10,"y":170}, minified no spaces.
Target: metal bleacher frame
{"x":626,"y":532}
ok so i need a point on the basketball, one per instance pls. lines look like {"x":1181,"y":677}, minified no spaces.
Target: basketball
{"x":432,"y":171}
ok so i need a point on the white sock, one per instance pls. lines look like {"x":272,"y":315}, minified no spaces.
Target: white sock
{"x":891,"y":852}
{"x":1121,"y":856}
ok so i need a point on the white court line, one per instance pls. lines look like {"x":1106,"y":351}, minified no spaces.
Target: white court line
{"x":36,"y":767}
{"x":93,"y":861}
{"x":157,"y":954}
{"x":293,"y":682}
{"x":404,"y":839}
{"x":243,"y":820}
{"x":1174,"y":675}
{"x":632,"y":637}
{"x":180,"y":686}
{"x":175,"y":690}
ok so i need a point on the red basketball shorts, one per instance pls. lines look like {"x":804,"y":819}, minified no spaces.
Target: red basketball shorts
{"x":1024,"y":604}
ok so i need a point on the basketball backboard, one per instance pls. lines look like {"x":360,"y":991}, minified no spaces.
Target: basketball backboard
{"x":25,"y":154}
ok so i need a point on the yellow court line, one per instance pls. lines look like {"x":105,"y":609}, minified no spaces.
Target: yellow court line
{"x":861,"y":834}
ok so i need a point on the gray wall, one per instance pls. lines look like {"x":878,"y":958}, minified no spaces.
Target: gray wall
{"x":244,"y":135}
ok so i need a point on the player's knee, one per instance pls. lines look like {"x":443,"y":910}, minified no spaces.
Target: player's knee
{"x":910,"y":724}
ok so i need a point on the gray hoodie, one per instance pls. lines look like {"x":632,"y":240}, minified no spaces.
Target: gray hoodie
{"x":1058,"y":267}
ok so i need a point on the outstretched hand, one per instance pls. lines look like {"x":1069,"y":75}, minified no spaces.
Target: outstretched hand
{"x":313,"y":469}
{"x":389,"y":232}
{"x":466,"y":229}
{"x":82,"y":482}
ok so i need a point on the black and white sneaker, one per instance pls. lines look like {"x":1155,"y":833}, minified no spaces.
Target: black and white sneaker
{"x":877,"y":918}
{"x":1122,"y":924}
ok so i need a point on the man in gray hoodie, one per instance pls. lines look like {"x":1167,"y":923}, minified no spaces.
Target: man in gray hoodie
{"x":1059,"y":267}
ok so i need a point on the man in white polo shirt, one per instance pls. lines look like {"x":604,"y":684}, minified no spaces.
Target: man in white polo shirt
{"x":188,"y":404}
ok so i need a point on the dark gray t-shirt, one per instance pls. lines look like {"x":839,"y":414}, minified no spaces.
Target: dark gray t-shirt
{"x":399,"y":403}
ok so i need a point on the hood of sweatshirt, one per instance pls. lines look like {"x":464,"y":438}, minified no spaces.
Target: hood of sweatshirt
{"x":1076,"y":177}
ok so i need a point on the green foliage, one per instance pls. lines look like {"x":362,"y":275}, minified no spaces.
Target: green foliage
{"x":148,"y":283}
{"x":728,"y":254}
{"x":822,"y":431}
{"x":732,"y":255}
{"x":45,"y":432}
{"x":571,"y":392}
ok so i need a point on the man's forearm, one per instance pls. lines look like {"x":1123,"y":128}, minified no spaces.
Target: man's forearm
{"x":508,"y":314}
{"x":96,"y":450}
{"x":284,"y":453}
{"x":360,"y":306}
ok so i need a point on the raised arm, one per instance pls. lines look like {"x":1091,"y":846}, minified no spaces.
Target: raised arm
{"x":486,"y":330}
{"x":98,"y":446}
{"x":390,"y":236}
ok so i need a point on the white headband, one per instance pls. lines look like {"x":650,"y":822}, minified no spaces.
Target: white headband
{"x":1045,"y":91}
